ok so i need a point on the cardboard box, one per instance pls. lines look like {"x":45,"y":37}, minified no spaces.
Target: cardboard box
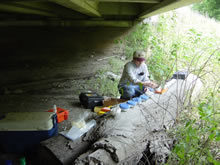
{"x":112,"y":101}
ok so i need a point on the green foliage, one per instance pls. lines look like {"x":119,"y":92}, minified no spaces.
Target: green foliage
{"x":115,"y":65}
{"x":164,"y":49}
{"x":103,"y":84}
{"x":137,"y":38}
{"x":198,"y":138}
{"x":209,"y":7}
{"x":107,"y":87}
{"x":172,"y":49}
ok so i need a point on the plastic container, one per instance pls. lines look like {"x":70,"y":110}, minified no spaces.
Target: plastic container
{"x":23,"y":131}
{"x":76,"y":132}
{"x":124,"y":106}
{"x":98,"y":108}
{"x":101,"y":112}
{"x":144,"y":97}
{"x":115,"y":111}
{"x":132,"y":103}
{"x":106,"y":109}
{"x":62,"y":114}
{"x":137,"y":99}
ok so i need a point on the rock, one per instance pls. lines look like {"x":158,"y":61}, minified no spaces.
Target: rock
{"x":123,"y":58}
{"x":112,"y":76}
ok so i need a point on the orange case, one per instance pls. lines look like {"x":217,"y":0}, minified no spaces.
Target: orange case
{"x":161,"y":91}
{"x":62,"y":114}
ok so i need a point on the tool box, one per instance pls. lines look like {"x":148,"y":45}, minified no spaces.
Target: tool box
{"x":90,"y":99}
{"x":23,"y":131}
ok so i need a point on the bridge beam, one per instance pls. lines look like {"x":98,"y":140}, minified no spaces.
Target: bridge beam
{"x":68,"y":23}
{"x":17,"y":7}
{"x":132,"y":1}
{"x":89,"y":8}
{"x":165,"y":6}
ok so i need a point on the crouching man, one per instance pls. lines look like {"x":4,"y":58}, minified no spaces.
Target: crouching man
{"x":135,"y":77}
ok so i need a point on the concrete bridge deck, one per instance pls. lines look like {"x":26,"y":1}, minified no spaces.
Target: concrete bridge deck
{"x":119,"y":13}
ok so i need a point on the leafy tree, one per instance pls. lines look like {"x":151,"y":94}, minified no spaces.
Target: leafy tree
{"x":209,"y":7}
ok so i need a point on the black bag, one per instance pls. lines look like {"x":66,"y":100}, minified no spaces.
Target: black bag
{"x":90,"y":100}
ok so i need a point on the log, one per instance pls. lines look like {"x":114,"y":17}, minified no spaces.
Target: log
{"x":125,"y":137}
{"x":60,"y":150}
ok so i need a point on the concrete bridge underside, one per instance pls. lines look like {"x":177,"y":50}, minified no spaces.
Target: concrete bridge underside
{"x":119,"y":13}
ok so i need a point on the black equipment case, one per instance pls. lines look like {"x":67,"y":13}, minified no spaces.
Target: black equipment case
{"x":180,"y":75}
{"x":90,"y":99}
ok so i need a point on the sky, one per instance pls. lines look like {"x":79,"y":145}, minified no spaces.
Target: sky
{"x":187,"y":19}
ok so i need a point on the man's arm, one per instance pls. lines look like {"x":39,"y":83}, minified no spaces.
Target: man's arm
{"x":147,"y":82}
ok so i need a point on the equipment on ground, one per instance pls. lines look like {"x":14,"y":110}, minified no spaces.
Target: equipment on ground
{"x":90,"y":99}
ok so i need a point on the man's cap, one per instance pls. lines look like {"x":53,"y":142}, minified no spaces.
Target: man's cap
{"x":139,"y":55}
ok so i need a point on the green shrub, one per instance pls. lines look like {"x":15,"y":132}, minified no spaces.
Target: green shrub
{"x":175,"y":48}
{"x":198,"y":134}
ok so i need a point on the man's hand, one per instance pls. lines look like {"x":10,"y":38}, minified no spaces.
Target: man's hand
{"x":150,"y":84}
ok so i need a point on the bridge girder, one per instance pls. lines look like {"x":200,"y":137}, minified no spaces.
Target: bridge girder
{"x":83,"y":12}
